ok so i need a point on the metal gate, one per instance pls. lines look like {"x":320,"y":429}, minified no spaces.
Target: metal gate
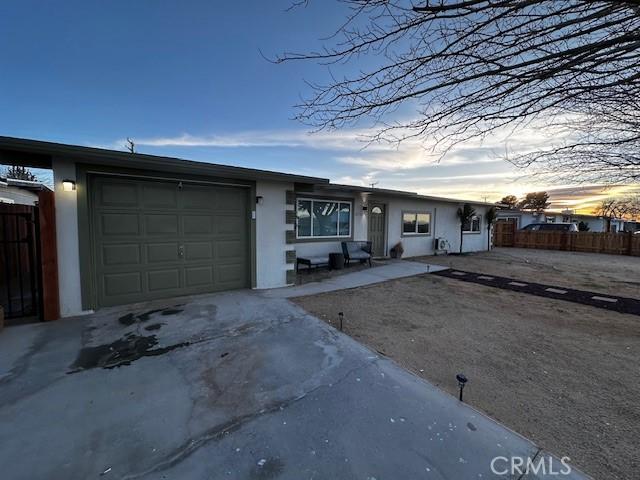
{"x":19,"y":260}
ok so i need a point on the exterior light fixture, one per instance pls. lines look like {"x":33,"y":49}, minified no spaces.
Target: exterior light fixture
{"x":462,"y":380}
{"x":68,"y":185}
{"x":259,"y":199}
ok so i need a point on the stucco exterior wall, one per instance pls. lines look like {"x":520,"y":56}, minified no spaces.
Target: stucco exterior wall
{"x":68,"y":240}
{"x":271,"y":227}
{"x":445,"y":224}
{"x":595,"y":224}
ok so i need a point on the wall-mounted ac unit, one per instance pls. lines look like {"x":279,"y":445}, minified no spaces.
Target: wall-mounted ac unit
{"x":442,"y":244}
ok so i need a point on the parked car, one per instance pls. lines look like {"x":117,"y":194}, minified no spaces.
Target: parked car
{"x":551,"y":227}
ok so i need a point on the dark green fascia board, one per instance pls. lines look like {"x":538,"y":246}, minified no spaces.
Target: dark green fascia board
{"x":37,"y":153}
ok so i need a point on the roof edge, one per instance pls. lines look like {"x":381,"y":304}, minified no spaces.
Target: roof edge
{"x":42,"y":149}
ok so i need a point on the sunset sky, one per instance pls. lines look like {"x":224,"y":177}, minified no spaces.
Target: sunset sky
{"x":194,"y":83}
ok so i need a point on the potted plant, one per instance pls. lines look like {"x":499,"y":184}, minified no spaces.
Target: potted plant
{"x":397,"y":250}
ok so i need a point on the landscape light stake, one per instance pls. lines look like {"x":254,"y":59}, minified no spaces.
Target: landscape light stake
{"x":462,"y":380}
{"x":340,"y":318}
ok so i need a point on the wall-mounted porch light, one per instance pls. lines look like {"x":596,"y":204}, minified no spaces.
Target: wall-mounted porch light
{"x":68,"y":185}
{"x":259,"y":200}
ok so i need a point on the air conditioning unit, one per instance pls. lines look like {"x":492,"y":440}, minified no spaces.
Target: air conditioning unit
{"x":442,"y":245}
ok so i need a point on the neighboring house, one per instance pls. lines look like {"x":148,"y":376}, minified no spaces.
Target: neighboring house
{"x":135,"y":227}
{"x":19,"y":192}
{"x":523,"y":218}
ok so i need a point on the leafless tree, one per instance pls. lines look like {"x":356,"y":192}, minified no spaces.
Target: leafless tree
{"x":603,"y":146}
{"x":610,"y":208}
{"x":471,"y":67}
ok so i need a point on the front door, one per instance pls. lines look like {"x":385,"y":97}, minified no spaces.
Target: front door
{"x":376,"y":227}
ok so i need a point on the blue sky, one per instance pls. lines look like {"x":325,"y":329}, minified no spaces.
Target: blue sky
{"x":189,"y":79}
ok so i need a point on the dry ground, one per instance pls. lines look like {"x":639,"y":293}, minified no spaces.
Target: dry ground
{"x":562,"y":374}
{"x":612,"y":274}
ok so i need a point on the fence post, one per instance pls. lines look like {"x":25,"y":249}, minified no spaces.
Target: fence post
{"x":49,"y":255}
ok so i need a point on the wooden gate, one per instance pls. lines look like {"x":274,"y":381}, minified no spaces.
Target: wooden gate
{"x":504,"y":234}
{"x":28,"y":259}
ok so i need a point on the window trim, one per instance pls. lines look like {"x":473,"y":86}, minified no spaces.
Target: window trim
{"x":475,"y":232}
{"x":312,"y":238}
{"x":416,"y":213}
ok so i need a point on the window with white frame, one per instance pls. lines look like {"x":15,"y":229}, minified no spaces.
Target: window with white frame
{"x":472,"y":225}
{"x":416,"y":223}
{"x":323,"y":218}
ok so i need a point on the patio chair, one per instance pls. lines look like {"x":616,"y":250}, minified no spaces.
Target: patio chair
{"x":360,"y":251}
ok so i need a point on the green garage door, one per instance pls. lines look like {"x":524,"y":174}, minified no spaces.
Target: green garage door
{"x":157,"y":239}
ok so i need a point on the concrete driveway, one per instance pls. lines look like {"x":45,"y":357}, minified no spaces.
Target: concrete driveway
{"x":233,"y":385}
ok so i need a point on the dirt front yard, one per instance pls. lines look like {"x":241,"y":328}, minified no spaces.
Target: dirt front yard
{"x":563,"y":374}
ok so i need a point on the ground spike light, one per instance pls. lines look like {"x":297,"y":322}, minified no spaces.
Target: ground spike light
{"x":462,"y":380}
{"x":340,"y":319}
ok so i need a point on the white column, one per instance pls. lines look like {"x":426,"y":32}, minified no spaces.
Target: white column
{"x":67,"y":238}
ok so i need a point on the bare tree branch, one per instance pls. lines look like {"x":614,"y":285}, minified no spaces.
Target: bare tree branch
{"x":470,"y":67}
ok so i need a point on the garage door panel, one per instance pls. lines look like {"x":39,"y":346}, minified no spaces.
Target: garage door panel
{"x":162,"y":252}
{"x":230,"y":200}
{"x":197,"y":224}
{"x":160,"y":195}
{"x":124,"y":254}
{"x":198,"y":251}
{"x":234,"y":274}
{"x":230,"y":249}
{"x":154,"y":239}
{"x":197,"y":197}
{"x":161,"y":224}
{"x":118,"y":194}
{"x":118,"y":224}
{"x":229,"y":224}
{"x":122,"y":283}
{"x":199,"y":276}
{"x":163,"y":280}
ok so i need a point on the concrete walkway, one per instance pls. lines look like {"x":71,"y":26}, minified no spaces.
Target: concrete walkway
{"x":391,"y":271}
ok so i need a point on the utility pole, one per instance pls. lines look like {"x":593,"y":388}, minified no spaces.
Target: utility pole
{"x":131,"y":146}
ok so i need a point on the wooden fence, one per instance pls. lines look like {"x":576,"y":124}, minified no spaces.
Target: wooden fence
{"x":506,"y":235}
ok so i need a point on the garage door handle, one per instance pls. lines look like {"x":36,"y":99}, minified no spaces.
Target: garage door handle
{"x":181,"y":251}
